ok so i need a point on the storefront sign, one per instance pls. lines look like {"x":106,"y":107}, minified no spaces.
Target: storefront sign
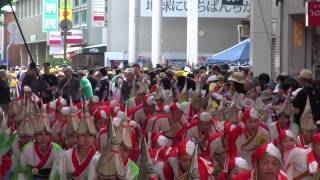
{"x":75,"y":37}
{"x":207,"y":8}
{"x":312,"y":13}
{"x":50,"y":16}
{"x":298,"y":32}
{"x":98,"y":11}
{"x":68,"y":12}
{"x":94,"y":50}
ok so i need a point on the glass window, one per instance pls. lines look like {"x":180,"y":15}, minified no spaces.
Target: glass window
{"x":76,"y":3}
{"x":33,"y":7}
{"x":83,"y":17}
{"x":83,"y":2}
{"x":30,"y":8}
{"x":76,"y":18}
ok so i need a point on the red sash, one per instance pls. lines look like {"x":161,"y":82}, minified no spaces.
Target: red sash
{"x":79,"y":168}
{"x":279,"y":128}
{"x":43,"y":157}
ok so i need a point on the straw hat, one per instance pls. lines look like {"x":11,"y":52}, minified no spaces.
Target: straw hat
{"x":236,"y":77}
{"x":305,"y":73}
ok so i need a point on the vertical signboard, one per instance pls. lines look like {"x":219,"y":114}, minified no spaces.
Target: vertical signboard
{"x":98,"y":13}
{"x":68,"y":12}
{"x":298,"y":32}
{"x":50,"y":16}
{"x":312,"y":13}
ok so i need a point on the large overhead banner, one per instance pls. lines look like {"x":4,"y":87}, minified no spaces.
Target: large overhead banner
{"x":50,"y":16}
{"x":207,"y":8}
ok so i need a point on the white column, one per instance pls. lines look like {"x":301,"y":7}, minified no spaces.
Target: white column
{"x":192,"y":33}
{"x":133,"y":32}
{"x":156,"y":31}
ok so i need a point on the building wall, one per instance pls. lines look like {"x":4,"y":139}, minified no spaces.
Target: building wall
{"x":219,"y":33}
{"x":294,"y":58}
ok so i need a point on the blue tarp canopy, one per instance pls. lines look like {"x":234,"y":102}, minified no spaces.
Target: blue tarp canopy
{"x":239,"y":53}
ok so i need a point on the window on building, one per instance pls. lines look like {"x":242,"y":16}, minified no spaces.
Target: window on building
{"x":76,"y":19}
{"x":40,"y":7}
{"x":30,"y":8}
{"x":76,"y":3}
{"x":33,"y":7}
{"x":84,"y":17}
{"x":83,"y":2}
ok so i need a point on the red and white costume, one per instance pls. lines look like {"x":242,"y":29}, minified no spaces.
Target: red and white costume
{"x":243,"y":145}
{"x":172,"y":169}
{"x":71,"y":167}
{"x":275,"y":129}
{"x":269,"y":149}
{"x":193,"y":133}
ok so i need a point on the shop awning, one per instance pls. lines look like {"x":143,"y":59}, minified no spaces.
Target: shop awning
{"x":95,"y":49}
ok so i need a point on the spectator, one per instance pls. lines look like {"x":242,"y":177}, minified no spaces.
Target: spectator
{"x":93,"y":81}
{"x":4,"y":90}
{"x":69,"y":86}
{"x":31,"y":79}
{"x":299,"y":102}
{"x":102,"y":89}
{"x":50,"y":81}
{"x":85,"y":85}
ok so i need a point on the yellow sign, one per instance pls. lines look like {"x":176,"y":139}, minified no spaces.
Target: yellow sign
{"x":298,"y":32}
{"x":68,"y":12}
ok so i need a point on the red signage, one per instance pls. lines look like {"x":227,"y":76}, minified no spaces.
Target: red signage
{"x":312,"y":14}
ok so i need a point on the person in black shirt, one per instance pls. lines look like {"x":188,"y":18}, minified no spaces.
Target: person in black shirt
{"x":92,"y":80}
{"x":50,"y":81}
{"x":299,"y":101}
{"x":69,"y":86}
{"x":4,"y":90}
{"x":102,"y":88}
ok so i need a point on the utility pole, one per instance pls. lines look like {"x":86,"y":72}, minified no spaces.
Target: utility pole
{"x":65,"y":30}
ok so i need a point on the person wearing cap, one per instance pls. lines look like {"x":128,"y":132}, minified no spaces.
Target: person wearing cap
{"x":307,"y":125}
{"x":25,"y":130}
{"x":127,"y":88}
{"x":139,"y":97}
{"x":85,"y":85}
{"x":234,"y":167}
{"x":215,"y":150}
{"x":69,"y":133}
{"x":122,"y":124}
{"x":243,"y":141}
{"x":60,"y":124}
{"x":294,"y":156}
{"x":169,"y":123}
{"x":100,"y":117}
{"x":201,"y":129}
{"x":69,"y":86}
{"x":284,"y":120}
{"x":179,"y":162}
{"x":314,"y":157}
{"x":75,"y":162}
{"x":307,"y":89}
{"x":148,"y":108}
{"x":266,"y":165}
{"x":38,"y":156}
